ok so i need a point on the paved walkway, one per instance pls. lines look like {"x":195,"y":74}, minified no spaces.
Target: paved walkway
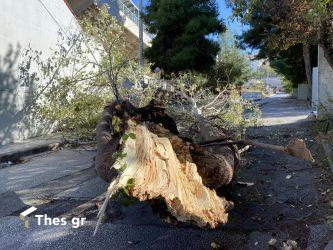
{"x":282,"y":109}
{"x":288,"y":201}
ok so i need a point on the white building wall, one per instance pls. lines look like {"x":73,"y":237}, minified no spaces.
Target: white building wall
{"x":315,"y":88}
{"x":302,"y":92}
{"x":24,"y":22}
{"x":325,"y":84}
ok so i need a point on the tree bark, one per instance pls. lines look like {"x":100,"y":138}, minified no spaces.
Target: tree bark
{"x":325,"y":35}
{"x":153,"y":163}
{"x":308,"y":69}
{"x":108,"y":138}
{"x":296,"y":147}
{"x":224,"y":161}
{"x":148,"y":159}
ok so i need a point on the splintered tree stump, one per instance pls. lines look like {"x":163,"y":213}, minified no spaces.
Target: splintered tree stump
{"x":157,"y":172}
{"x":217,"y":169}
{"x":108,"y":136}
{"x":141,"y":152}
{"x":147,"y":157}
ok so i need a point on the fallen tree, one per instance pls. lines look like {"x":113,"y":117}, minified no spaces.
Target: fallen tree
{"x":141,"y":151}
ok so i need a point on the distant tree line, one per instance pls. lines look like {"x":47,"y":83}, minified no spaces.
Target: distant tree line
{"x":287,"y":32}
{"x":189,"y":35}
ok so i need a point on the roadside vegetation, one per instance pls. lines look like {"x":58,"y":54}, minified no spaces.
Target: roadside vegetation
{"x":91,"y":67}
{"x":182,"y":30}
{"x":287,"y":33}
{"x":232,"y":67}
{"x":94,"y":66}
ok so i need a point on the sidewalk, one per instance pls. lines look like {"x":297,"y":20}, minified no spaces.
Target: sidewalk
{"x":13,"y":151}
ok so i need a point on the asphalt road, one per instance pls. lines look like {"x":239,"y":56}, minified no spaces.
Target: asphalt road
{"x":293,"y":208}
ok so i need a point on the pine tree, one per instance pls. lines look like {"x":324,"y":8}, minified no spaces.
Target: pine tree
{"x":182,"y":31}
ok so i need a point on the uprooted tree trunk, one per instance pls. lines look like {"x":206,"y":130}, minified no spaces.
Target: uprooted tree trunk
{"x":147,"y":157}
{"x":140,"y":150}
{"x":158,"y":165}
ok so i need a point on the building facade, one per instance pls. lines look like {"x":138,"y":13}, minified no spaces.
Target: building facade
{"x":37,"y":24}
{"x":126,"y":12}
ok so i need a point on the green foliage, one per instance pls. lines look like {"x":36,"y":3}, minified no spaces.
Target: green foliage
{"x":130,"y":135}
{"x":124,"y":194}
{"x":279,"y":29}
{"x":326,"y":32}
{"x":84,"y":73}
{"x":329,"y":220}
{"x":181,"y":29}
{"x":119,"y":155}
{"x":232,"y":67}
{"x":129,"y":186}
{"x":77,"y":114}
{"x":290,"y":64}
{"x":90,"y":65}
{"x":127,"y":199}
{"x":125,"y":137}
{"x":280,"y":24}
{"x":238,"y":115}
{"x":265,"y":70}
{"x":123,"y":167}
{"x":130,"y":183}
{"x":256,"y":86}
{"x":223,"y":108}
{"x":288,"y":86}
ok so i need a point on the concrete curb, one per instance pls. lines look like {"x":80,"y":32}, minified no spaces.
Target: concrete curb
{"x":29,"y":150}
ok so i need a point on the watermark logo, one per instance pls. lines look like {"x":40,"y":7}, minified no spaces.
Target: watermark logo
{"x":24,"y":216}
{"x":47,"y":221}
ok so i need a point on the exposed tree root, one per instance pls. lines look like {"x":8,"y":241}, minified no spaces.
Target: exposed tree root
{"x":150,"y":169}
{"x":144,"y":155}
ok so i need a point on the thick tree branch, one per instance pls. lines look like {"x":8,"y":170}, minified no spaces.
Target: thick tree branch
{"x":296,"y":147}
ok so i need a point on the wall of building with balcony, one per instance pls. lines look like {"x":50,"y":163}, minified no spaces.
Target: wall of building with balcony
{"x":126,"y":13}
